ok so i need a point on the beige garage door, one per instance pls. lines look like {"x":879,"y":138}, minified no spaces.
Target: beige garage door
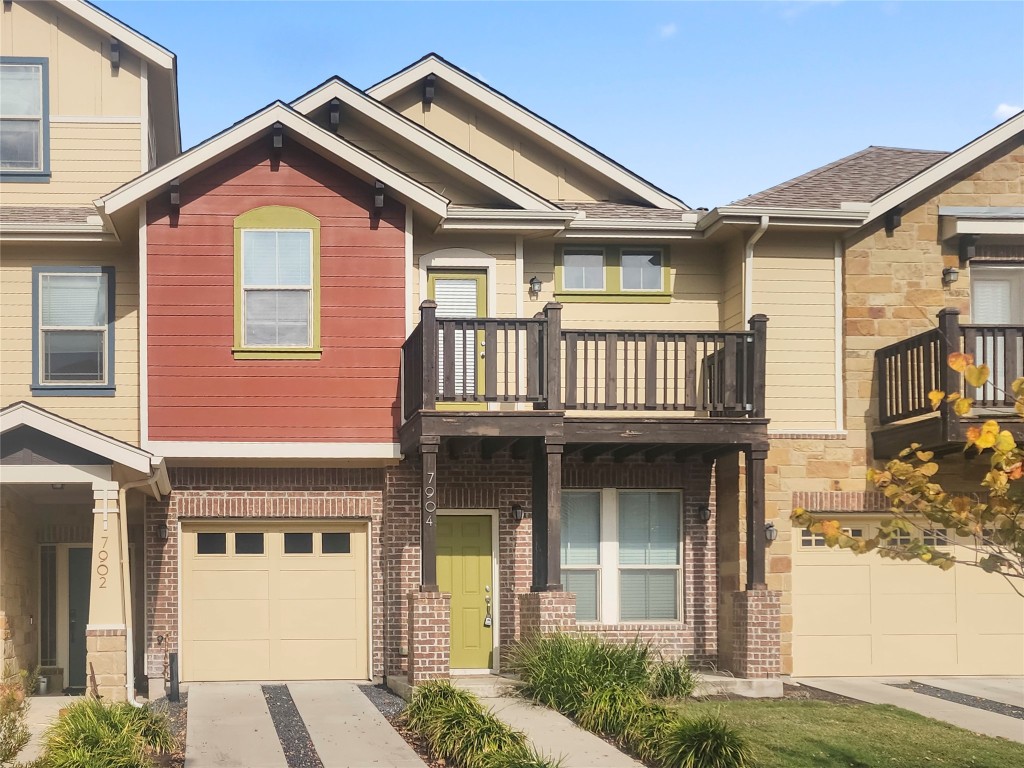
{"x":274,"y":601}
{"x":864,"y":615}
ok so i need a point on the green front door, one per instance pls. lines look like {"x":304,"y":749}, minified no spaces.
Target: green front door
{"x":464,"y":568}
{"x":79,"y":568}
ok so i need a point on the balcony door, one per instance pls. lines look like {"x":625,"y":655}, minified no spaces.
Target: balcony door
{"x":461,"y":295}
{"x":997,"y":299}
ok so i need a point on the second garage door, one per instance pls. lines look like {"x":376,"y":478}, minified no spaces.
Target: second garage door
{"x":865,"y":615}
{"x":266,"y":601}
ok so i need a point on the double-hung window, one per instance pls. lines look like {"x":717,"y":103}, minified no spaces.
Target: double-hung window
{"x":612,"y":273}
{"x":24,"y":119}
{"x":621,"y":555}
{"x":277,"y":283}
{"x":73,"y":330}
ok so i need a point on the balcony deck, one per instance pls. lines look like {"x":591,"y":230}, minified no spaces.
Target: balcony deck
{"x":910,"y":369}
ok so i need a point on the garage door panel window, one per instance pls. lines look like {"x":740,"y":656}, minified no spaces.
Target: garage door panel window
{"x":211,"y":543}
{"x":622,"y":554}
{"x":817,"y":540}
{"x":336,"y":543}
{"x":248,"y":543}
{"x":298,"y":543}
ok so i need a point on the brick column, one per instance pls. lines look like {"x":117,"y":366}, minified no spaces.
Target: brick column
{"x":429,"y":636}
{"x":756,"y":633}
{"x":106,"y":674}
{"x":546,"y":612}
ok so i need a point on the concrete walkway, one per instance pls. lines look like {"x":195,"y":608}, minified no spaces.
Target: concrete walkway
{"x":229,"y":726}
{"x":42,"y":711}
{"x":347,"y":730}
{"x":878,"y":690}
{"x":556,"y":736}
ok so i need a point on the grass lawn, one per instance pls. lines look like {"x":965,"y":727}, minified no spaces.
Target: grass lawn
{"x":815,"y":734}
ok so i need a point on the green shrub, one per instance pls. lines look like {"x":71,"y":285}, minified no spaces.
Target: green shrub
{"x":704,"y":742}
{"x":560,"y":670}
{"x":527,"y":758}
{"x":611,"y":709}
{"x":15,"y":689}
{"x":673,"y":680}
{"x":646,"y":731}
{"x":431,"y":699}
{"x":93,"y":734}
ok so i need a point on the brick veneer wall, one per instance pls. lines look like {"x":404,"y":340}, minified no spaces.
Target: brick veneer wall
{"x":892,"y":289}
{"x":429,"y":631}
{"x":756,"y":633}
{"x":254,"y":493}
{"x":541,"y":613}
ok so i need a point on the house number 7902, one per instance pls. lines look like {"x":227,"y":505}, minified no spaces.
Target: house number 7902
{"x":103,"y":569}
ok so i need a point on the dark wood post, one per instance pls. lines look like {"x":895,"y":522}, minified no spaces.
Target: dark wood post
{"x":428,"y":323}
{"x":756,"y":541}
{"x":547,"y":516}
{"x":429,"y":446}
{"x":949,"y":380}
{"x":553,"y":355}
{"x":759,"y":327}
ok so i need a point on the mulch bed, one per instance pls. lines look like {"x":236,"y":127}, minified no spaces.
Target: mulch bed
{"x":177,"y":713}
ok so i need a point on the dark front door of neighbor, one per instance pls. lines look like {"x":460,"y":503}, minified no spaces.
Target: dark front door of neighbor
{"x":79,"y":566}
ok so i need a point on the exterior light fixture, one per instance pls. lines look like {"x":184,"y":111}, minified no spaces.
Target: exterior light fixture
{"x":771,"y":532}
{"x":518,"y":512}
{"x":57,"y":486}
{"x":535,"y":285}
{"x":950,"y":275}
{"x":705,"y":512}
{"x":161,"y":531}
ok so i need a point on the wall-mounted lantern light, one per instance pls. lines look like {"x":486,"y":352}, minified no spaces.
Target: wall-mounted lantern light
{"x":950,"y":275}
{"x":535,"y":286}
{"x":771,"y":532}
{"x":705,"y":512}
{"x":161,"y":532}
{"x":518,"y":512}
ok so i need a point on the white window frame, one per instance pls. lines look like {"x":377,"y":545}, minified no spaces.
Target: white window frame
{"x":308,"y":289}
{"x":659,"y":252}
{"x":609,"y":568}
{"x":1012,"y":273}
{"x":41,"y":118}
{"x":584,"y":251}
{"x":42,"y":330}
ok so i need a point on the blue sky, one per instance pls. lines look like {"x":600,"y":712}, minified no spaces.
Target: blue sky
{"x":711,"y":101}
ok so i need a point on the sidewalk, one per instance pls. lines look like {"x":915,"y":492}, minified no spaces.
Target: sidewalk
{"x":556,"y":736}
{"x":875,"y":690}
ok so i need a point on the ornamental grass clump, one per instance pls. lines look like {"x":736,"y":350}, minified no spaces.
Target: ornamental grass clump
{"x":610,"y":710}
{"x":93,"y":734}
{"x":703,"y":742}
{"x":645,"y":732}
{"x":673,"y":680}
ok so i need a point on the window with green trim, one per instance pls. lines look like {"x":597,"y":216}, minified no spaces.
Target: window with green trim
{"x":277,"y":283}
{"x":612,"y":274}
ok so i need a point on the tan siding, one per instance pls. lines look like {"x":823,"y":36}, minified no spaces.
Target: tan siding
{"x":503,"y":249}
{"x":732,"y":288}
{"x":116,"y":416}
{"x":794,"y":284}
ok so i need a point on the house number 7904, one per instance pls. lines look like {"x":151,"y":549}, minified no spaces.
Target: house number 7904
{"x":429,"y":503}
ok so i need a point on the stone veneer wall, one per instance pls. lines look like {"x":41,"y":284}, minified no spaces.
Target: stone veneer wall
{"x":105,"y":664}
{"x":892,"y":290}
{"x":19,"y":592}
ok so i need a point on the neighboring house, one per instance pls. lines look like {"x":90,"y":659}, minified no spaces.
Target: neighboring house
{"x":421,"y":373}
{"x":935,"y":265}
{"x":87,"y":104}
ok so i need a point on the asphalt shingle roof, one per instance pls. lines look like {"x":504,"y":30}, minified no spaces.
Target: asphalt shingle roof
{"x":860,"y":177}
{"x":46,"y":214}
{"x":604,"y":210}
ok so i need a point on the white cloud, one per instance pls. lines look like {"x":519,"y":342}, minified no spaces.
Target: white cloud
{"x":1005,"y":111}
{"x":665,"y":31}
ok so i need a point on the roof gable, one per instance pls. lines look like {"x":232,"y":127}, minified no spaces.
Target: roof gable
{"x":104,"y":22}
{"x":547,"y":134}
{"x":307,"y":133}
{"x":408,"y":131}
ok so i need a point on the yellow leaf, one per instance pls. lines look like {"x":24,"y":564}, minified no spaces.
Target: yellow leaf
{"x":925,"y":455}
{"x":976,"y":375}
{"x":1018,"y":386}
{"x":959,"y":361}
{"x":1005,"y":442}
{"x":929,"y":469}
{"x":963,"y":406}
{"x":953,"y":397}
{"x":985,"y":440}
{"x":935,"y":397}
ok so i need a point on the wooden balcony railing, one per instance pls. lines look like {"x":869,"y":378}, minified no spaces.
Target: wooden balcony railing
{"x":908,"y":370}
{"x":484,"y":360}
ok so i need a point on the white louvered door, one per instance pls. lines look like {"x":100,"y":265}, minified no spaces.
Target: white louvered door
{"x":459,"y":296}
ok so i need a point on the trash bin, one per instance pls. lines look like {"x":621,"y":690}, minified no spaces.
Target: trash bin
{"x":42,"y":685}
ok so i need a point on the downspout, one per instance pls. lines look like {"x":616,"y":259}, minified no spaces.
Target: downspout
{"x":122,"y":507}
{"x":748,"y":269}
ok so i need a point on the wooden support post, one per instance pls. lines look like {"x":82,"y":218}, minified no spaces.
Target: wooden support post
{"x":949,"y":380}
{"x":428,"y":323}
{"x":756,"y":542}
{"x":553,"y":355}
{"x":759,"y":327}
{"x":547,"y":517}
{"x":429,"y":446}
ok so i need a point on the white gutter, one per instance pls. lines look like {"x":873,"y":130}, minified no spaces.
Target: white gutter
{"x":748,"y":269}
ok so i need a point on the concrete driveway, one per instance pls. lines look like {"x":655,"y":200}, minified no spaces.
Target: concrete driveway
{"x":993,"y":706}
{"x":230,"y":725}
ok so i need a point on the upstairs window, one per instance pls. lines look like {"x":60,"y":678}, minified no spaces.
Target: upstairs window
{"x":74,"y":330}
{"x":24,"y":119}
{"x":641,"y":271}
{"x":583,"y":270}
{"x":612,"y":274}
{"x":277,"y":281}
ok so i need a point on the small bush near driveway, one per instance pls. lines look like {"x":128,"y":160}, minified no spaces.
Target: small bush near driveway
{"x":94,"y":734}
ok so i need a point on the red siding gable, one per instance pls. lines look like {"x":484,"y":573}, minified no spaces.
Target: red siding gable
{"x":197,"y":390}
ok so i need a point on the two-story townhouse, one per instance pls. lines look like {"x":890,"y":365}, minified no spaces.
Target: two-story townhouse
{"x":934,"y":265}
{"x":430,"y":373}
{"x":85,"y":104}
